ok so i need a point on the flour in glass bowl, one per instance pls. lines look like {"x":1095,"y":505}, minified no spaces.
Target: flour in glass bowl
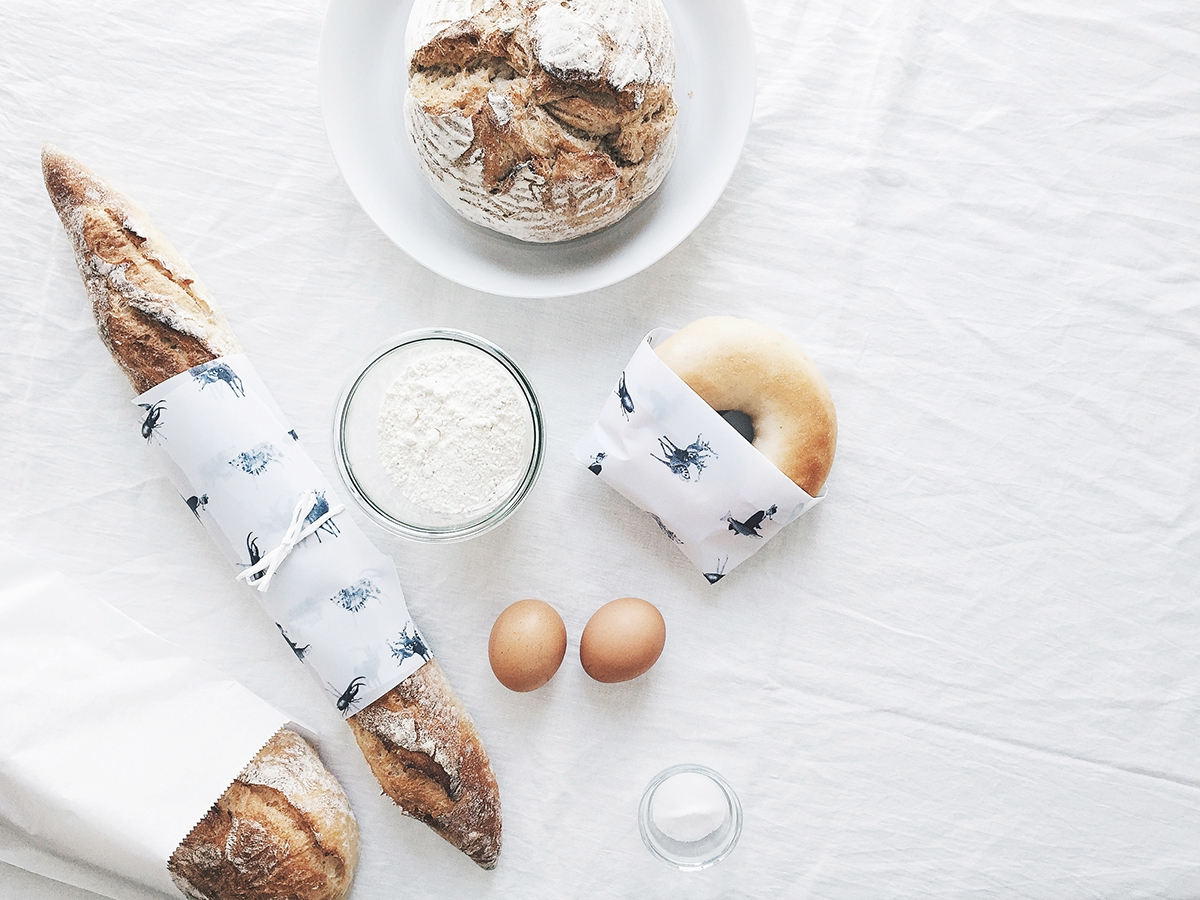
{"x":452,"y":432}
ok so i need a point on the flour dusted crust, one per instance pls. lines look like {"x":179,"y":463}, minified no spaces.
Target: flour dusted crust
{"x":282,"y":830}
{"x":541,"y":119}
{"x":422,"y":746}
{"x":157,"y":322}
{"x":745,"y":365}
{"x":152,"y":311}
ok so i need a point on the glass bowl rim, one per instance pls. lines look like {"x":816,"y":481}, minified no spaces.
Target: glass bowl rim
{"x":381,"y":516}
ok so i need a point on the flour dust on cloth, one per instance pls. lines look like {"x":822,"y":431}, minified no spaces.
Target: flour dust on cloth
{"x":115,"y":744}
{"x":240,"y":467}
{"x":667,"y":451}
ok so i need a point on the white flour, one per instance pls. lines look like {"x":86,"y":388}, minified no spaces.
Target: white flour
{"x":452,"y":429}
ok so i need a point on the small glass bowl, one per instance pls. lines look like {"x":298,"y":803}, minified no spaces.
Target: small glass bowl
{"x":356,"y":439}
{"x":691,"y":856}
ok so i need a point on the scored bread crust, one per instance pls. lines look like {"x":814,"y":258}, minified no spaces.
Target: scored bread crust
{"x":158,"y":321}
{"x":423,"y":748}
{"x":152,"y":312}
{"x":282,"y":831}
{"x":541,"y":119}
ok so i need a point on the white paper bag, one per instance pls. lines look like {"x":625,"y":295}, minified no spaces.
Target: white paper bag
{"x":667,"y":451}
{"x":113,"y":743}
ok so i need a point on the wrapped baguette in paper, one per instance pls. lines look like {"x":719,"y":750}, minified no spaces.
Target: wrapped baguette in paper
{"x":115,"y":745}
{"x":710,"y":490}
{"x":244,"y":474}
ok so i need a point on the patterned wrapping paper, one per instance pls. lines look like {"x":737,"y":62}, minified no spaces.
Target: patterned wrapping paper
{"x":114,"y":744}
{"x":240,"y":467}
{"x":713,"y":495}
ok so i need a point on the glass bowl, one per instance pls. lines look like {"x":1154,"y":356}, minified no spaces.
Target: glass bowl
{"x":357,"y":444}
{"x":691,"y":855}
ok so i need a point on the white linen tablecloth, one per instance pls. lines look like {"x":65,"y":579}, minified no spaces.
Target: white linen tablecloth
{"x":971,"y":672}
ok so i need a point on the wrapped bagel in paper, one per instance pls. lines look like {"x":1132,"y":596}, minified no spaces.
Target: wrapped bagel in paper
{"x":712,"y":493}
{"x":116,"y":746}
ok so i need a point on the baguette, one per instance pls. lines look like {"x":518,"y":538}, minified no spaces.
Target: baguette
{"x":283,"y":830}
{"x":157,"y":320}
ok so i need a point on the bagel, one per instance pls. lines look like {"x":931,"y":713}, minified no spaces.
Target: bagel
{"x":744,"y":366}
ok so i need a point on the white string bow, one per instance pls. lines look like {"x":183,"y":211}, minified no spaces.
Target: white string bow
{"x":297,"y":531}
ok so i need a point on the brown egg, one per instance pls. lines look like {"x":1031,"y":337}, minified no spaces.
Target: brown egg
{"x":527,"y":645}
{"x":622,"y":640}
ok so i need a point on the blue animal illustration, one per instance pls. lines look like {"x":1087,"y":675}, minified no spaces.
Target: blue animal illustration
{"x":750,"y":527}
{"x":319,"y":509}
{"x":355,"y":597}
{"x":152,"y":422}
{"x":195,"y":504}
{"x":407,"y":645}
{"x":254,"y":553}
{"x":665,"y":530}
{"x":597,"y":463}
{"x":681,"y":460}
{"x":350,"y":695}
{"x":211,"y":373}
{"x":623,"y":396}
{"x":299,"y":651}
{"x":255,"y":460}
{"x":714,"y":577}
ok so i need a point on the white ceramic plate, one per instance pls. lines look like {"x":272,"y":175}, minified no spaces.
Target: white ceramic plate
{"x":362,"y":81}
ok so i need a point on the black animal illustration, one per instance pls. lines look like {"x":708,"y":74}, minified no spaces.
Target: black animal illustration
{"x":665,"y":530}
{"x":407,"y":645}
{"x":350,"y":694}
{"x":319,"y":509}
{"x":597,"y":461}
{"x":152,"y":423}
{"x":254,"y":553}
{"x":299,"y":651}
{"x":714,"y":577}
{"x":195,"y":504}
{"x":211,"y":373}
{"x":295,"y":437}
{"x":255,"y":460}
{"x":626,"y":400}
{"x":750,"y":527}
{"x":681,"y":460}
{"x":355,"y":597}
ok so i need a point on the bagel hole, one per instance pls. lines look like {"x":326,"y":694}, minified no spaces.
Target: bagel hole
{"x":741,"y":422}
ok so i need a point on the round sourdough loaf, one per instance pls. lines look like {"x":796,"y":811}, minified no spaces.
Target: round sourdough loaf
{"x":541,"y":119}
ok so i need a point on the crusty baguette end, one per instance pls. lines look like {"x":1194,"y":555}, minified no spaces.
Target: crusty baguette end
{"x":152,"y":312}
{"x":282,"y":830}
{"x":423,"y":748}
